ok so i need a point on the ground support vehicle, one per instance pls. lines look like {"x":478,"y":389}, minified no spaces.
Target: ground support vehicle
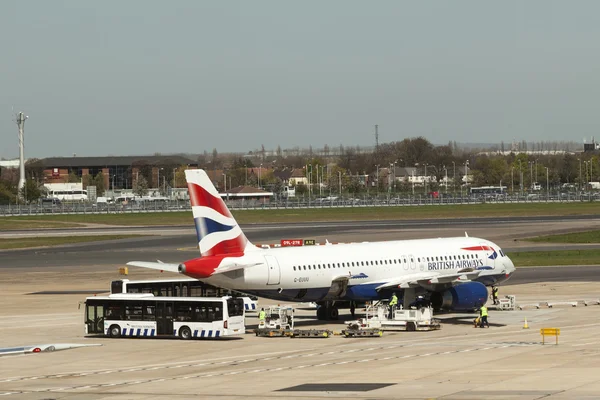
{"x":355,"y":330}
{"x":311,"y":333}
{"x":279,"y":322}
{"x":508,"y":303}
{"x":411,"y":319}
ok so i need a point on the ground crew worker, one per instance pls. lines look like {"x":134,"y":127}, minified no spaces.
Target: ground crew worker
{"x":495,"y":294}
{"x":352,"y":308}
{"x":483,"y":312}
{"x":393,"y":303}
{"x":262,"y":315}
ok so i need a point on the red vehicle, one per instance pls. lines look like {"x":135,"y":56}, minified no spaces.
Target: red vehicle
{"x":434,"y":195}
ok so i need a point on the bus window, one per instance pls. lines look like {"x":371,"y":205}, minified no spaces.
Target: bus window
{"x":235,"y":307}
{"x":183,"y":312}
{"x":113,"y":311}
{"x":133,"y":312}
{"x":149,"y":312}
{"x":116,"y":287}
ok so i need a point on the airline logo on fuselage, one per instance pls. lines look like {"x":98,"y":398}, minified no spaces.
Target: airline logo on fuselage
{"x":362,"y":275}
{"x":454,"y":264}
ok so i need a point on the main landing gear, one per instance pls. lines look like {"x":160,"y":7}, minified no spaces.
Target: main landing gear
{"x":327,"y":311}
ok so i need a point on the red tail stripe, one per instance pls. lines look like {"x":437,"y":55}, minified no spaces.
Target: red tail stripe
{"x":477,"y":248}
{"x":236,"y":245}
{"x":200,"y":197}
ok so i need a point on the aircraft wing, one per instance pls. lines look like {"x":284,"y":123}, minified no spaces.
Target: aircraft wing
{"x":155,"y":265}
{"x":426,"y":279}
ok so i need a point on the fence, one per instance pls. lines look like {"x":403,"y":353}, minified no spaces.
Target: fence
{"x":299,"y":202}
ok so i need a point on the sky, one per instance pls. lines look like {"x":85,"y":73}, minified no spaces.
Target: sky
{"x":148,"y":76}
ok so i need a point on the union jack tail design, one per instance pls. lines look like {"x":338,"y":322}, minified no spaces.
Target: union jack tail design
{"x":218,"y":232}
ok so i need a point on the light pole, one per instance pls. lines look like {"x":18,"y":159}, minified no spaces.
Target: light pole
{"x":446,"y":178}
{"x":425,"y":178}
{"x":531,"y":173}
{"x":157,"y":179}
{"x":512,"y":182}
{"x":521,"y":177}
{"x":377,"y":179}
{"x":340,"y":180}
{"x":579,"y":184}
{"x":547,"y":186}
{"x":585,"y":180}
{"x":259,"y":175}
{"x":466,"y":175}
{"x":536,"y":170}
{"x":453,"y":177}
{"x":224,"y":182}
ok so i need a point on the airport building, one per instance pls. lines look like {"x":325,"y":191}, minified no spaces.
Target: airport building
{"x":119,"y":172}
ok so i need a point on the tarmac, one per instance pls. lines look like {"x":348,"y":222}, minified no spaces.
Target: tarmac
{"x":459,"y":361}
{"x":456,"y":362}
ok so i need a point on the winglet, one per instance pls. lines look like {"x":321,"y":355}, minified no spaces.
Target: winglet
{"x":466,"y":234}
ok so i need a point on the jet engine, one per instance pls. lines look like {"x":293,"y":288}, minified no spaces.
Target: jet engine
{"x":467,"y":296}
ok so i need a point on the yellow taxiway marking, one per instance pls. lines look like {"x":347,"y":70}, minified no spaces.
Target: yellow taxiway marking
{"x":188,"y":248}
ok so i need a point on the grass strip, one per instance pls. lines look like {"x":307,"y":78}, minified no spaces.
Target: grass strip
{"x":27,"y":223}
{"x":555,"y":257}
{"x":574,"y":237}
{"x":23,"y":243}
{"x":330,"y":214}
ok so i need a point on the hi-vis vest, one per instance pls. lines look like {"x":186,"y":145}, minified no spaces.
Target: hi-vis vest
{"x":393,"y":301}
{"x":261,"y":315}
{"x":484,"y":311}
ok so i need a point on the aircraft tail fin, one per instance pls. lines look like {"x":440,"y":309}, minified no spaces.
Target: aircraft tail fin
{"x":218,"y":232}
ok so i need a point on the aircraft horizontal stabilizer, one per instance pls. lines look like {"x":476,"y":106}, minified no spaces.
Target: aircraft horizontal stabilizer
{"x":232,"y":267}
{"x":155,"y":265}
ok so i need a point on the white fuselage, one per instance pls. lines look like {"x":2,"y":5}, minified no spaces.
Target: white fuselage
{"x":282,"y":273}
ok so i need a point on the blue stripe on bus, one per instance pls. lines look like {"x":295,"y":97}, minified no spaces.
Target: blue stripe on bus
{"x":174,"y":332}
{"x":124,"y":332}
{"x":196,"y":333}
{"x":152,"y":333}
{"x":210,"y":333}
{"x":139,"y":331}
{"x":145,"y":331}
{"x":217,"y":333}
{"x":202,"y":333}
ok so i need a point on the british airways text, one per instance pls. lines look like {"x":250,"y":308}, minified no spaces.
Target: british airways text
{"x":455,"y":264}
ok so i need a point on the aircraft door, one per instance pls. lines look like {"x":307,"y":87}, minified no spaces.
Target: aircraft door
{"x":405,"y":261}
{"x":274,"y":272}
{"x":413,"y":262}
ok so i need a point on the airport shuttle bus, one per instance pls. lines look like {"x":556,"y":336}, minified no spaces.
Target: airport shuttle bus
{"x":187,"y":287}
{"x":144,"y":315}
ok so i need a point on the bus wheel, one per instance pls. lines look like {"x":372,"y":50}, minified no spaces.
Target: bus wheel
{"x":115,"y":331}
{"x":185,"y":333}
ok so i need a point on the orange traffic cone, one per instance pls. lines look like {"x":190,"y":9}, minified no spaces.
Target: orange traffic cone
{"x":526,"y":325}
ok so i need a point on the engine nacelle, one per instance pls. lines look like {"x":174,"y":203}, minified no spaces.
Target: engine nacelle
{"x":467,"y":296}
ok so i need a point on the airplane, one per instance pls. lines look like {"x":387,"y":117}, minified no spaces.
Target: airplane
{"x":452,"y":273}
